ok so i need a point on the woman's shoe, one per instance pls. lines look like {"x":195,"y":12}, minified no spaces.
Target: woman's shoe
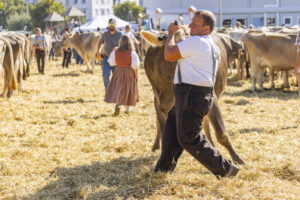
{"x":117,"y":111}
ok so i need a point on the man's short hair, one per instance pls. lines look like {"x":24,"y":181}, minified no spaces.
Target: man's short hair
{"x":127,"y":26}
{"x":208,"y":18}
{"x":112,"y":20}
{"x":38,"y":29}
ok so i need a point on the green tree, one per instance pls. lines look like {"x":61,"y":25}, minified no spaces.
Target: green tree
{"x":42,"y":9}
{"x":9,"y":8}
{"x":20,"y":22}
{"x":122,"y":10}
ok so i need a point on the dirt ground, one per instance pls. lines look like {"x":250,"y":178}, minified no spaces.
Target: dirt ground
{"x":59,"y":140}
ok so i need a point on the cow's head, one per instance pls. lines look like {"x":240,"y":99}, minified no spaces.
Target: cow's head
{"x":66,"y":40}
{"x":159,"y":38}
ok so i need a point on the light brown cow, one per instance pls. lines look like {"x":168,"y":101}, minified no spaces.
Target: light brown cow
{"x":10,"y":81}
{"x":86,"y":44}
{"x":275,"y":51}
{"x":161,"y":74}
{"x":20,"y":54}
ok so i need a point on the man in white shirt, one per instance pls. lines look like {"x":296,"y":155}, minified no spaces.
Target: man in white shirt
{"x":39,"y":44}
{"x":198,"y":59}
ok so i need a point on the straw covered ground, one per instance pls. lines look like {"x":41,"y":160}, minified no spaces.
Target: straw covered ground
{"x":58,"y":140}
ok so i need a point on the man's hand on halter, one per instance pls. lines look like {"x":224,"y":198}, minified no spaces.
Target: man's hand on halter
{"x":172,"y":29}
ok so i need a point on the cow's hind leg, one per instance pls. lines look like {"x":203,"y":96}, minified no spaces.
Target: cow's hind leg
{"x":216,"y":120}
{"x":160,"y":124}
{"x":206,"y":130}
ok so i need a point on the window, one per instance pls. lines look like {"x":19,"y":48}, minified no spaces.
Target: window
{"x":298,"y":20}
{"x":102,"y":1}
{"x":227,"y":22}
{"x":271,"y":21}
{"x":287,"y":20}
{"x":83,"y":1}
{"x":102,"y":12}
{"x":75,"y":1}
{"x":108,"y":11}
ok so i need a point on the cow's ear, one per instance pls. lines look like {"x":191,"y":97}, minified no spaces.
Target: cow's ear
{"x":152,"y":38}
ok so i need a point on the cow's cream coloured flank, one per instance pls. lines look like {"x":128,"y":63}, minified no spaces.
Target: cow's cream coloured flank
{"x":86,"y":44}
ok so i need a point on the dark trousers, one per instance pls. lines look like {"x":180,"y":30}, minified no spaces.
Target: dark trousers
{"x":77,"y":57}
{"x":66,"y":58}
{"x":51,"y":54}
{"x":183,"y":131}
{"x":40,"y":59}
{"x":106,"y":69}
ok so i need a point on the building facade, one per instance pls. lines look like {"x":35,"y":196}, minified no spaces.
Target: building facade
{"x":92,"y":8}
{"x":227,"y":12}
{"x":122,"y":1}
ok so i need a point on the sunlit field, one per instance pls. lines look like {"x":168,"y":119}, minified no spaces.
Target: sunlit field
{"x":59,"y":140}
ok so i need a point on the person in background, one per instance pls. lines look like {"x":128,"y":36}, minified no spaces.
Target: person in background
{"x":66,"y":53}
{"x":110,"y":39}
{"x":130,"y":34}
{"x":39,"y":44}
{"x":77,"y":57}
{"x":123,"y":88}
{"x":238,"y":25}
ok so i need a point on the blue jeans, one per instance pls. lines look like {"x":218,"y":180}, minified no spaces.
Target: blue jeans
{"x":106,"y":68}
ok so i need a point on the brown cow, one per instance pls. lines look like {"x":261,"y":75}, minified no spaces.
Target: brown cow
{"x":86,"y":45}
{"x":19,"y":44}
{"x":275,"y":51}
{"x":10,"y":81}
{"x":161,"y":75}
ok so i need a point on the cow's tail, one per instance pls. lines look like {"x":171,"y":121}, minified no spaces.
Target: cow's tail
{"x":13,"y":83}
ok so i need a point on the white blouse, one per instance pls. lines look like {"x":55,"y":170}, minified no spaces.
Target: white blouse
{"x":135,"y":61}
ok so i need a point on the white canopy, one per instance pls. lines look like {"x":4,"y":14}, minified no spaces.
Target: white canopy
{"x":102,"y":23}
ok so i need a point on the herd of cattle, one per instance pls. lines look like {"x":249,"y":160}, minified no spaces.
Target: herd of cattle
{"x":267,"y":48}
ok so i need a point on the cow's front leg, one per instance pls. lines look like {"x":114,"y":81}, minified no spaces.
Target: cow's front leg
{"x":93,"y":64}
{"x":271,"y":77}
{"x":254,"y":78}
{"x":286,"y":83}
{"x":87,"y":66}
{"x":261,"y":78}
{"x":216,"y":120}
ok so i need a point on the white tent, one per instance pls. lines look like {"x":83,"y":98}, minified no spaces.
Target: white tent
{"x":102,"y":23}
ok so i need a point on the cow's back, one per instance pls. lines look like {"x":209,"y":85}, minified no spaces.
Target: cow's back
{"x":273,"y":50}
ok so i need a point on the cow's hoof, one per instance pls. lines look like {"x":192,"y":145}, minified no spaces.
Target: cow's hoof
{"x":155,"y":147}
{"x":238,"y":160}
